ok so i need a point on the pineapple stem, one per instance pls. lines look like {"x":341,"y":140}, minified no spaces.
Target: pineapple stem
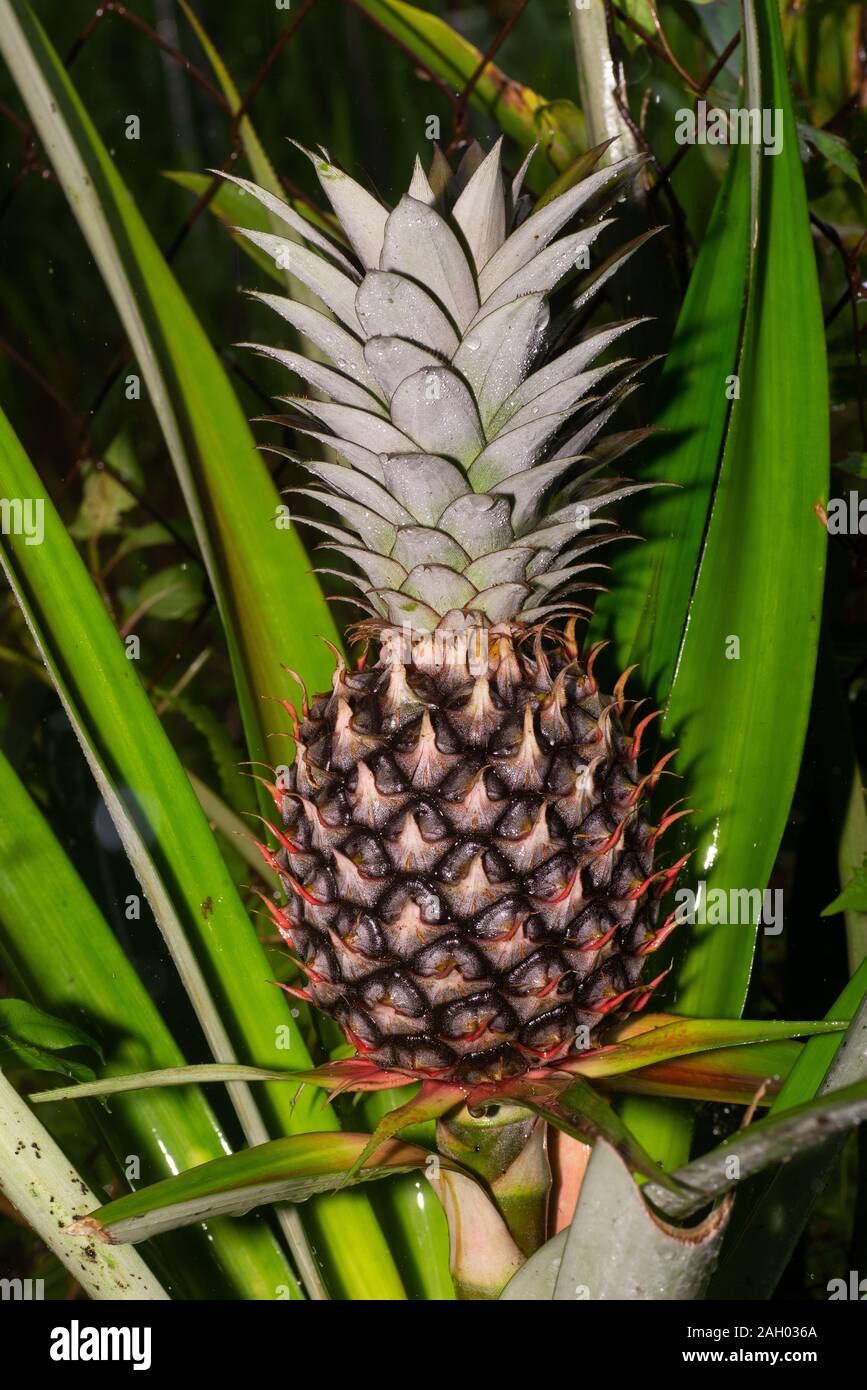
{"x":505,"y":1146}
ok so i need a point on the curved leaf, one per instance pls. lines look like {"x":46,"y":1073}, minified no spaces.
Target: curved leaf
{"x":291,"y":1169}
{"x":682,"y":1037}
{"x":42,"y":1185}
{"x":557,"y":126}
{"x":82,"y":973}
{"x":722,"y":605}
{"x":170,"y":845}
{"x":771,"y":1140}
{"x":615,"y":1248}
{"x":271,"y":605}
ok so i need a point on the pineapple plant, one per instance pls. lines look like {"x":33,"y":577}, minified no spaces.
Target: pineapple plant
{"x":468,"y":865}
{"x":467,"y":868}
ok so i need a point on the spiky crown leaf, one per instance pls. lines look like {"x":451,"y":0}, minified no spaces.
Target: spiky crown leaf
{"x":472,"y":476}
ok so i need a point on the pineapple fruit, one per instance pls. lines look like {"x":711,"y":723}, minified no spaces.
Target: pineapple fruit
{"x":467,"y":865}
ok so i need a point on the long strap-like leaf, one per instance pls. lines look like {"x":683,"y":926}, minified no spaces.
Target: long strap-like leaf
{"x":42,"y":1184}
{"x":270,"y":603}
{"x":81,"y":972}
{"x":721,"y":606}
{"x":172,"y":849}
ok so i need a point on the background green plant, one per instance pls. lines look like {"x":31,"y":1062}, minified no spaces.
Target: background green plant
{"x":173,"y":532}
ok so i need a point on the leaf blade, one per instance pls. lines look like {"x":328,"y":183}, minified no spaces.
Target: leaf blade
{"x":83,"y":975}
{"x":294,"y":1168}
{"x":267,"y":619}
{"x":138,"y":774}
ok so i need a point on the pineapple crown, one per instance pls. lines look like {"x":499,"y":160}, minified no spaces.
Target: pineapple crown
{"x":471,"y":477}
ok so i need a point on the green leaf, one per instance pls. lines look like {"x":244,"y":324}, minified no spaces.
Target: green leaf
{"x":519,"y":111}
{"x":143,"y":537}
{"x":730,"y":1075}
{"x":821,"y":1054}
{"x":615,"y":1248}
{"x":23,"y":1022}
{"x":105,"y":498}
{"x":586,"y":1115}
{"x":651,"y":585}
{"x":683,"y":1036}
{"x":35,"y":1038}
{"x":291,"y":1169}
{"x":173,"y":852}
{"x":270,"y":604}
{"x":202,"y":1074}
{"x":769,"y":1141}
{"x":835,"y":150}
{"x":81,"y":974}
{"x":775,"y":462}
{"x":704,"y":604}
{"x":174,"y":594}
{"x":772,"y":1214}
{"x":854,"y":895}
